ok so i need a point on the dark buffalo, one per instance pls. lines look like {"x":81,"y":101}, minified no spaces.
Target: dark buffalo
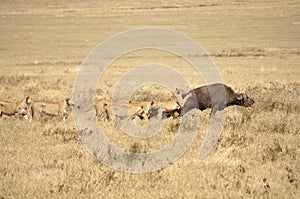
{"x":215,"y":96}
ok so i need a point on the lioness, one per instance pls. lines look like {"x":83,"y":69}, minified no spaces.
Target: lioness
{"x":170,"y":108}
{"x":15,"y":108}
{"x":39,"y":108}
{"x":102,"y":109}
{"x":106,"y":109}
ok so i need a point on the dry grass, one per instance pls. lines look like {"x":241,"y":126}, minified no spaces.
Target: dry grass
{"x":256,"y":48}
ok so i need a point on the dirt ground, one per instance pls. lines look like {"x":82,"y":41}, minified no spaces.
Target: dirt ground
{"x":255,"y":46}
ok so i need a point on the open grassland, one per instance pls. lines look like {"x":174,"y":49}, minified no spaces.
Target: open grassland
{"x":255,"y":46}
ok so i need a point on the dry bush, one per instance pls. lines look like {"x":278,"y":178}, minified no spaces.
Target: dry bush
{"x":259,"y":138}
{"x":63,"y":134}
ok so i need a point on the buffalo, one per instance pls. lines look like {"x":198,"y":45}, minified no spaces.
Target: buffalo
{"x":214,"y":96}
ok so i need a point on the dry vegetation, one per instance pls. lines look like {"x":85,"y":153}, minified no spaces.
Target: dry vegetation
{"x":256,"y":48}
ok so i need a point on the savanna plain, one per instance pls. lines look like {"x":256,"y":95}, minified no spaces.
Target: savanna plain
{"x":254,"y":45}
